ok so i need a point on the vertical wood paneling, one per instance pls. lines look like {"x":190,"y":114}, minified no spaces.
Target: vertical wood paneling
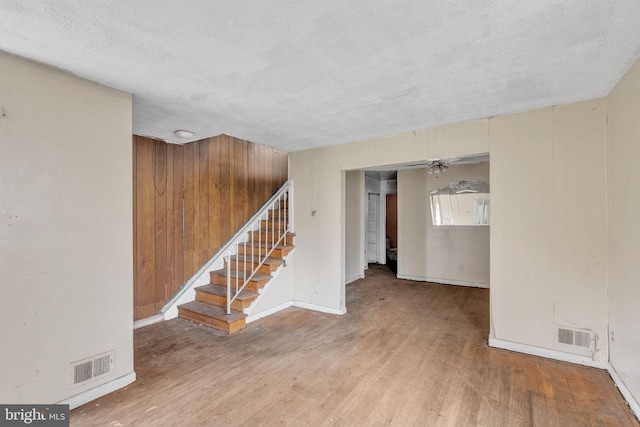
{"x":239,"y":188}
{"x":188,"y":201}
{"x":144,"y":251}
{"x":284,"y":166}
{"x":232,"y":187}
{"x":260,"y":162}
{"x":215,"y":220}
{"x":266,"y":160}
{"x":247,"y":209}
{"x":251,"y":176}
{"x":170,"y":229}
{"x":203,"y":205}
{"x":225,"y":223}
{"x":188,"y":215}
{"x":178,"y":215}
{"x":197,"y":236}
{"x":134,"y":183}
{"x":160,"y":213}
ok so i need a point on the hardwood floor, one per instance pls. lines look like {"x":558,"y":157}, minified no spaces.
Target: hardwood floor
{"x":406,"y":353}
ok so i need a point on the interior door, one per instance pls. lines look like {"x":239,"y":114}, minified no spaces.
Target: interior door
{"x":372,"y":227}
{"x":392,"y":220}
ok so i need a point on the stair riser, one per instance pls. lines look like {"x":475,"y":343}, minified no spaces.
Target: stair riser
{"x":282,"y":212}
{"x":272,"y":226}
{"x":262,"y":238}
{"x":279,"y":252}
{"x":281,"y":215}
{"x":263,"y":269}
{"x":252,"y":285}
{"x":222,"y":301}
{"x":284,"y":204}
{"x":213,"y":323}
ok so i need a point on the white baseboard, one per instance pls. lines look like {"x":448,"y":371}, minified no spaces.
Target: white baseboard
{"x":254,"y":317}
{"x":319,"y":308}
{"x":624,"y":390}
{"x":353,"y":279}
{"x":101,"y":390}
{"x":299,"y":304}
{"x":148,"y":321}
{"x":545,"y":352}
{"x":443,"y":281}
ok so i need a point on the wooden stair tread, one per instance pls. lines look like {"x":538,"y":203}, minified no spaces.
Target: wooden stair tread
{"x":289,"y":233}
{"x":212,"y":311}
{"x":268,"y":245}
{"x":222,"y":291}
{"x":241,"y":275}
{"x":263,"y":233}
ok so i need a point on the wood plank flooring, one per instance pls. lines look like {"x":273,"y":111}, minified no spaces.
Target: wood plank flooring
{"x":406,"y":353}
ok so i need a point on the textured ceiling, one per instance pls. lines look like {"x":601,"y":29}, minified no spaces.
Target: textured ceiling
{"x":303,"y":74}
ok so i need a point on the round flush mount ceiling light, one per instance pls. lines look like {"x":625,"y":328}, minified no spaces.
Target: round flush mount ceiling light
{"x":183,"y":133}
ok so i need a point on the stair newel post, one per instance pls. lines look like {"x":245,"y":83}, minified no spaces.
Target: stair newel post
{"x":290,"y":196}
{"x":266,"y":239}
{"x":228,"y":263}
{"x":286,"y":208}
{"x":244,"y":259}
{"x":237,"y":271}
{"x":280,"y":220}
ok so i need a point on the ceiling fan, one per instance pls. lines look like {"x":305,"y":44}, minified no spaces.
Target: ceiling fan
{"x":434,"y":167}
{"x":439,"y":166}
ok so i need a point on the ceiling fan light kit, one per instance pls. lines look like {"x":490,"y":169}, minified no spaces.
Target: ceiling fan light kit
{"x":437,"y":168}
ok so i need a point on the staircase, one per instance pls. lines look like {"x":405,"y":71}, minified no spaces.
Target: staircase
{"x":254,"y":254}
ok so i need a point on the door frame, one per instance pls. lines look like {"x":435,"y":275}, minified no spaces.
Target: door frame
{"x":378,"y":231}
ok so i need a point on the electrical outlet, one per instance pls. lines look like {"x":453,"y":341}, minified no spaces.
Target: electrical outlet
{"x":613,"y":338}
{"x":316,"y":288}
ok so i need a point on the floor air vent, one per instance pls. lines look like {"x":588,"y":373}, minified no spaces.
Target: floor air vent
{"x":575,"y":340}
{"x":93,"y":367}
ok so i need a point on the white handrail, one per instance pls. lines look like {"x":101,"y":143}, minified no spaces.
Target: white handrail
{"x":266,"y":214}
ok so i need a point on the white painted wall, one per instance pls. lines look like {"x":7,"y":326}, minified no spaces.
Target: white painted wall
{"x":65,"y":230}
{"x":354,"y":225}
{"x":548,"y":224}
{"x":279,"y":290}
{"x":548,"y":232}
{"x":623,"y":153}
{"x":456,"y":255}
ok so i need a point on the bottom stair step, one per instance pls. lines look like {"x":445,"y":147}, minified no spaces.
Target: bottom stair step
{"x":215,"y":317}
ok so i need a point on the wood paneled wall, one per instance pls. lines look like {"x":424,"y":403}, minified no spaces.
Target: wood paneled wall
{"x":188,"y":200}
